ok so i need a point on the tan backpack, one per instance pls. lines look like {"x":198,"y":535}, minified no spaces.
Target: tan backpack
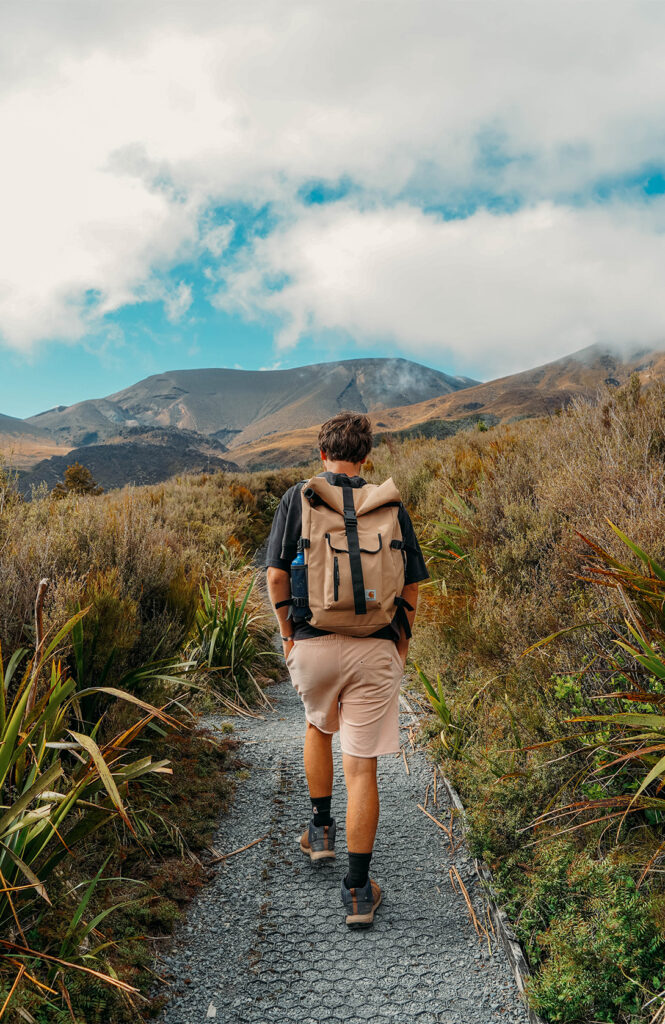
{"x":354,"y":556}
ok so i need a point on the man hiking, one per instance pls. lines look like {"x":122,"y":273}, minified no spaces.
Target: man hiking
{"x":343,"y":567}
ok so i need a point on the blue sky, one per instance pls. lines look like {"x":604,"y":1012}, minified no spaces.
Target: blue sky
{"x":476,"y":188}
{"x":61,"y":374}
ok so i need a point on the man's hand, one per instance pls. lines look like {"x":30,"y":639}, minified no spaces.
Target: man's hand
{"x":287,"y":646}
{"x":410,"y":594}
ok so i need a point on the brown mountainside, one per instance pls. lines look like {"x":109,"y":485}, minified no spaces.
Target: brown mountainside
{"x":137,"y":456}
{"x":537,"y":392}
{"x":238,"y":406}
{"x":22,"y":444}
{"x":260,"y":419}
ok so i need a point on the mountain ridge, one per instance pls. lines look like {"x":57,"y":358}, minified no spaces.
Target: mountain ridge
{"x":278,"y":424}
{"x":539,"y":391}
{"x":134,"y":457}
{"x":23,"y":443}
{"x":237,"y":406}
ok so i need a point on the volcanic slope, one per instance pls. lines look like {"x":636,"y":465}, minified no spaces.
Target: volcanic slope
{"x":137,"y":456}
{"x":239,"y":406}
{"x":537,"y":392}
{"x":22,"y":443}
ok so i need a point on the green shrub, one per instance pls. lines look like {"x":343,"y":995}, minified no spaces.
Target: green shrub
{"x":603,"y":952}
{"x":228,"y":643}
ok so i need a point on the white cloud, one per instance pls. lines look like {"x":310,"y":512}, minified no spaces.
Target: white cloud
{"x":178,"y":301}
{"x":497,"y":291}
{"x":122,"y":124}
{"x":216,"y":239}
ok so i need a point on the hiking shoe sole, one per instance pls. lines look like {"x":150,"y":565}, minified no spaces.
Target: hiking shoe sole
{"x":317,"y":854}
{"x":319,"y":843}
{"x":363,"y":904}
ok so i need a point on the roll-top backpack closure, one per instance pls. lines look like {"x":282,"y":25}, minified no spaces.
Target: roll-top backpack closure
{"x":365,"y":499}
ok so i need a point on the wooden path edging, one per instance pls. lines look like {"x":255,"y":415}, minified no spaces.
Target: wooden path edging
{"x":509,"y":940}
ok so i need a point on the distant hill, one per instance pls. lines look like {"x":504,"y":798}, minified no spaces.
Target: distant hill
{"x":188,"y":420}
{"x":537,"y":392}
{"x":22,"y":444}
{"x":239,"y":406}
{"x":137,"y":456}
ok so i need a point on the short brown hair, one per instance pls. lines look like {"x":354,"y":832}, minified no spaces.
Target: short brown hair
{"x":347,"y":437}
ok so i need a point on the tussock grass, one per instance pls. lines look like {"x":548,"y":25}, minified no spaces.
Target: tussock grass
{"x":504,"y":513}
{"x":131,"y":578}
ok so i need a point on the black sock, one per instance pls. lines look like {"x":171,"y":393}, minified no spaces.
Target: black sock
{"x":321,"y":810}
{"x":358,"y":870}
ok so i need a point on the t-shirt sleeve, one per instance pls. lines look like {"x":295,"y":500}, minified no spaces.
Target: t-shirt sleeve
{"x":415,"y":570}
{"x":283,"y":539}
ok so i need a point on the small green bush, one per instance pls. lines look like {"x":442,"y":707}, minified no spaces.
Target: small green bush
{"x":229,"y":641}
{"x":603,"y":954}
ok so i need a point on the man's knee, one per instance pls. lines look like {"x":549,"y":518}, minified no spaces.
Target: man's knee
{"x":361,"y":769}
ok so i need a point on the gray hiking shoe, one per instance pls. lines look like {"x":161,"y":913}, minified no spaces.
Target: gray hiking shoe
{"x":361,"y":904}
{"x":319,"y":843}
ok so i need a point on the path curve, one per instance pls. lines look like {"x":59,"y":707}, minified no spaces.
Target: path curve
{"x":266,"y":942}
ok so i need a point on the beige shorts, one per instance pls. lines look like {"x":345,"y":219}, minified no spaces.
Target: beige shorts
{"x":350,"y":684}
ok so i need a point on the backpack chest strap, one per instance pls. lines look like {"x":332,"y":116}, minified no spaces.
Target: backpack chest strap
{"x":353,"y":544}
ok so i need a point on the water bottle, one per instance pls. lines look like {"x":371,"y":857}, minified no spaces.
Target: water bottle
{"x":299,"y":594}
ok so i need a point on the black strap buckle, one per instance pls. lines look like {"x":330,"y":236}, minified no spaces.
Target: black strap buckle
{"x":350,"y":516}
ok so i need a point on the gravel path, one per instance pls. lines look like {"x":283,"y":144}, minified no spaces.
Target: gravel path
{"x":266,"y":940}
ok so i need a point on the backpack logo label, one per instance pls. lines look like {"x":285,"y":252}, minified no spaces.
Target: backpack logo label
{"x":370,"y":595}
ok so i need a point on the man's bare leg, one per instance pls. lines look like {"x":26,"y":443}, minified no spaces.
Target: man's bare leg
{"x":362,"y":815}
{"x":318,"y":762}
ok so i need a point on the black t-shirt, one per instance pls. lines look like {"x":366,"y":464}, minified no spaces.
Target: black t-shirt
{"x":283,"y":544}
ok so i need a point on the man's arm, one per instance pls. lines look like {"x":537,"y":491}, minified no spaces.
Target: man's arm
{"x":410,"y":594}
{"x":279,"y":589}
{"x":415,"y":571}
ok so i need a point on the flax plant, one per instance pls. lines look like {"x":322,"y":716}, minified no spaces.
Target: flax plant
{"x":226,"y":645}
{"x":446,"y":534}
{"x":454,"y":734}
{"x":57,"y":785}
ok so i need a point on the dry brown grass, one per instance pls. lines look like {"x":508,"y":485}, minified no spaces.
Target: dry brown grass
{"x":531,"y":486}
{"x":528,"y":488}
{"x":136,"y":555}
